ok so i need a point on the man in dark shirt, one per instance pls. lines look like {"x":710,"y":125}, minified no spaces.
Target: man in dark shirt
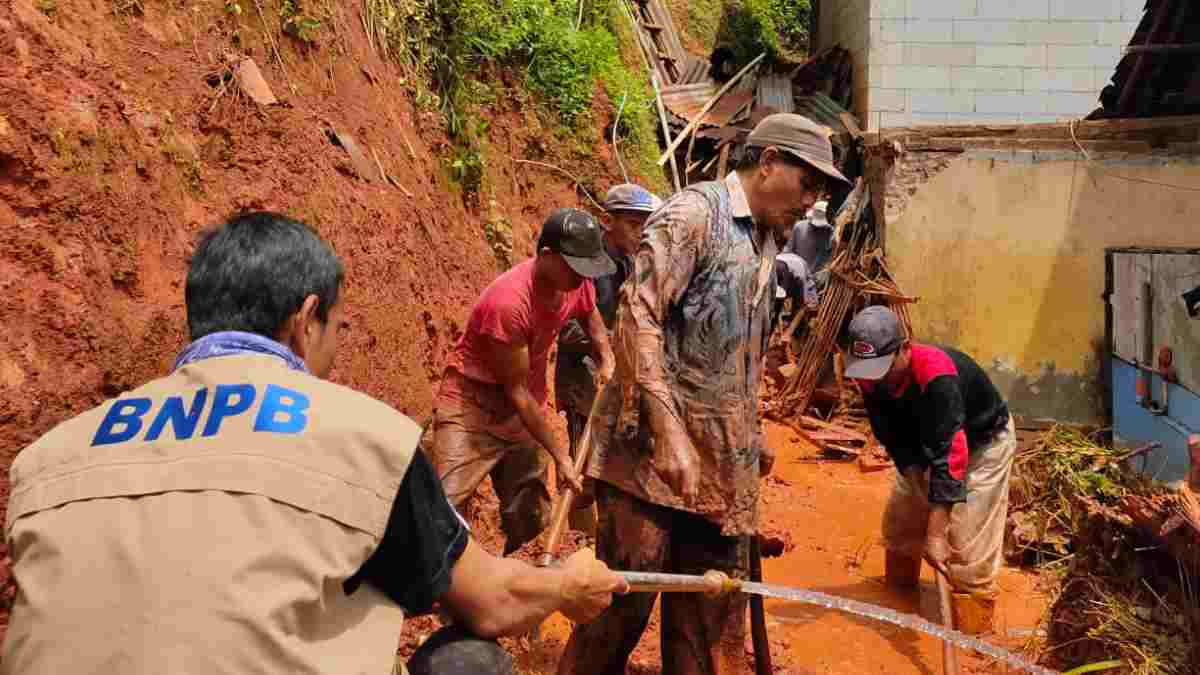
{"x":792,"y":281}
{"x":627,"y":207}
{"x":949,"y":432}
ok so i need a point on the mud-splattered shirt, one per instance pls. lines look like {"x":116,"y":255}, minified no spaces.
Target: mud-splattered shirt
{"x":947,"y":408}
{"x":692,"y":325}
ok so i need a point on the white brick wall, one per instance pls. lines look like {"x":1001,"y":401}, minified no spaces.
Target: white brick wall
{"x":987,"y":61}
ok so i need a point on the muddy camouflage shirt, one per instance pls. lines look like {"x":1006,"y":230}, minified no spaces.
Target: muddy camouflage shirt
{"x":692,"y":325}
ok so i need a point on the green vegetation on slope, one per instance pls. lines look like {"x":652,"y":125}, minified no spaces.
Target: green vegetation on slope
{"x":561,"y":53}
{"x":746,"y":27}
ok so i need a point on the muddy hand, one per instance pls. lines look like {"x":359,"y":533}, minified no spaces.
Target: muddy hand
{"x":604,"y":374}
{"x":937,"y":547}
{"x":676,"y":462}
{"x":566,"y":473}
{"x":588,"y":586}
{"x":937,"y":553}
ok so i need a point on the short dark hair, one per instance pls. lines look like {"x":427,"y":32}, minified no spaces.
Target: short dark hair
{"x":255,"y":271}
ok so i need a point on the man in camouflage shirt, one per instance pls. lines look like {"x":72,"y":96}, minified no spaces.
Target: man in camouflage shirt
{"x":677,"y":458}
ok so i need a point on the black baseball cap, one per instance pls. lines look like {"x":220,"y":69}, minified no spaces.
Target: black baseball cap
{"x":875,"y":336}
{"x":576,"y":236}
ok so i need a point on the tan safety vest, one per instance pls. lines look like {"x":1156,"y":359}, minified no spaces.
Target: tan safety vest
{"x":204,"y":523}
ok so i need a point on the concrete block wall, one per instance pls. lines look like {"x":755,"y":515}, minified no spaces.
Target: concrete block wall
{"x":991,"y":61}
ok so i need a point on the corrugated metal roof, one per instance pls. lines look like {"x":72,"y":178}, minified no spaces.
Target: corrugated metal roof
{"x":822,"y":110}
{"x":1160,"y":72}
{"x":695,"y":70}
{"x":686,"y":101}
{"x":660,"y":39}
{"x":775,"y":91}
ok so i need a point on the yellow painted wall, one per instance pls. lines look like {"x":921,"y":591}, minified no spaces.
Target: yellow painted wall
{"x":1007,"y":257}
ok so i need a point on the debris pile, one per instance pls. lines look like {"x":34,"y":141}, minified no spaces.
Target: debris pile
{"x":1124,"y":547}
{"x":806,"y":389}
{"x":706,"y":113}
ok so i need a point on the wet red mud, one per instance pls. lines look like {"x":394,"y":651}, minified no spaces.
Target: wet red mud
{"x":831,"y":510}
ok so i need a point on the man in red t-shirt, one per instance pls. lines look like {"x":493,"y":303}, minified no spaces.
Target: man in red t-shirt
{"x":491,"y":410}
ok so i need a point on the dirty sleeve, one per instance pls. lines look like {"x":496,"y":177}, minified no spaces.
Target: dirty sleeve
{"x":944,"y":440}
{"x":883,"y":428}
{"x":666,"y":259}
{"x":424,"y":539}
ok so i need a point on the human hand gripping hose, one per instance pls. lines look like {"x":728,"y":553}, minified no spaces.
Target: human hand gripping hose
{"x":716,"y":583}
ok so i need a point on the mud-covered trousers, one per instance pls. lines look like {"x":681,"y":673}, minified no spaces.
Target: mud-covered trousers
{"x":976,"y":531}
{"x":470,"y":442}
{"x":700,"y":635}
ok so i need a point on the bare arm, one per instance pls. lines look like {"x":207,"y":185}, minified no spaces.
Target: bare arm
{"x":598,"y":333}
{"x":504,"y":596}
{"x":510,"y":364}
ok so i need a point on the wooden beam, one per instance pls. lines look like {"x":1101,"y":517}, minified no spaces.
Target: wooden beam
{"x":1193,"y":48}
{"x":1110,"y":129}
{"x":1024,"y":144}
{"x":707,"y":106}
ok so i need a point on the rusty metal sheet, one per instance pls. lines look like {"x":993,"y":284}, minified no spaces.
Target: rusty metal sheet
{"x":660,"y":39}
{"x":775,"y":91}
{"x":685,"y":102}
{"x":822,"y":110}
{"x":695,"y":70}
{"x":1159,"y":72}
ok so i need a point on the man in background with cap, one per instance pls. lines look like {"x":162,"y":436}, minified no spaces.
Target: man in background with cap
{"x":949,"y":433}
{"x":812,"y":240}
{"x":792,"y":281}
{"x":676,"y":454}
{"x":491,"y":410}
{"x":627,"y":207}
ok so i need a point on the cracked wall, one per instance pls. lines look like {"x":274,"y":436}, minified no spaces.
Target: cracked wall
{"x":1006,"y":252}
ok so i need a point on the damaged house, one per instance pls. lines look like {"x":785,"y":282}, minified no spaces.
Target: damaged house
{"x":1061,"y":255}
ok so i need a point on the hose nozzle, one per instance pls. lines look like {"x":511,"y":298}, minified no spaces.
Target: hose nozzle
{"x":712,"y":582}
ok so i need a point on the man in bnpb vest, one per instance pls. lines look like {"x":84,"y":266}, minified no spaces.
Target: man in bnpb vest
{"x":244,"y":515}
{"x":678,"y":458}
{"x":950,"y":434}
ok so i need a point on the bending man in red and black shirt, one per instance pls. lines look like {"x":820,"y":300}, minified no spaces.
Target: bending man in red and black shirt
{"x":949,"y":432}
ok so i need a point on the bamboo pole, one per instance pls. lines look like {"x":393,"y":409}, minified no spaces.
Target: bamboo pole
{"x":662,"y":117}
{"x":707,"y":106}
{"x":662,"y":111}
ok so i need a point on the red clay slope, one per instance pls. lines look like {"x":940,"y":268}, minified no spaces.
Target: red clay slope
{"x":115,"y":153}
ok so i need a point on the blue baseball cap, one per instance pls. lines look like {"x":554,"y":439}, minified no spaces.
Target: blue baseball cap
{"x":630,"y":197}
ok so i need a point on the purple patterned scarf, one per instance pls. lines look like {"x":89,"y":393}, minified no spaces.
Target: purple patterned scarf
{"x":230,"y":343}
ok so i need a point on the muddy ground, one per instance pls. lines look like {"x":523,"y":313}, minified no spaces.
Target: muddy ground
{"x":830,"y":512}
{"x":116,"y":151}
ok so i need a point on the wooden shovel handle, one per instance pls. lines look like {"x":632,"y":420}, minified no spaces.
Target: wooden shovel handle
{"x":558,"y":521}
{"x":949,"y":653}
